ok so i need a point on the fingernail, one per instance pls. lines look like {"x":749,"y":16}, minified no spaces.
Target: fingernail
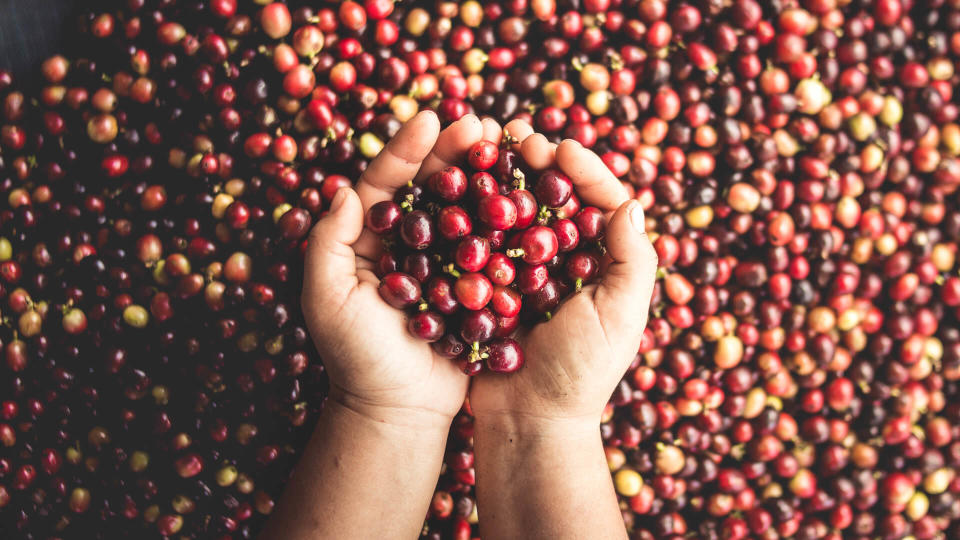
{"x":338,"y":199}
{"x":635,"y":211}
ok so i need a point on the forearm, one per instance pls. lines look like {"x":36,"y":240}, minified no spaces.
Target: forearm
{"x":551,"y":481}
{"x":361,"y":477}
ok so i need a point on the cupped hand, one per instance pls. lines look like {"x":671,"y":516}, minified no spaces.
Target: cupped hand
{"x":374,"y":365}
{"x":575,"y":360}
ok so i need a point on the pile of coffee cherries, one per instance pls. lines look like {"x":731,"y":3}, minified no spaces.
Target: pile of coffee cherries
{"x":453,"y":246}
{"x":797,"y":161}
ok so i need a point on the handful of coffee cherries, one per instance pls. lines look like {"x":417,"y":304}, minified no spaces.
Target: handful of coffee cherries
{"x":479,"y":250}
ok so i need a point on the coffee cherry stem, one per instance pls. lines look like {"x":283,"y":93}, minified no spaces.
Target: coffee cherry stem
{"x":422,"y":306}
{"x":407,"y":204}
{"x":520,"y":180}
{"x":514,"y":253}
{"x":475,"y":354}
{"x":452,"y":270}
{"x":578,"y":284}
{"x":544,"y":215}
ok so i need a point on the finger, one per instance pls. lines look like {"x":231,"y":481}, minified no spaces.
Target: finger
{"x":519,"y":130}
{"x":330,"y":272}
{"x":538,"y":152}
{"x":400,"y":160}
{"x":491,"y":130}
{"x":451,"y":145}
{"x":622,"y":298}
{"x":593,"y":181}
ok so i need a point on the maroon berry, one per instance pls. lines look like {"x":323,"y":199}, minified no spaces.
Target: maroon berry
{"x":440,"y":295}
{"x":590,"y":223}
{"x":418,"y":265}
{"x":482,"y":184}
{"x":504,"y":356}
{"x":416,"y":230}
{"x":568,"y":236}
{"x":400,"y":290}
{"x":449,"y":346}
{"x":478,"y":326}
{"x":449,"y":183}
{"x":473,"y":290}
{"x":483,"y":155}
{"x":472,"y":253}
{"x":427,"y":325}
{"x":546,"y":298}
{"x":384,"y":217}
{"x":581,"y":268}
{"x":497,"y":212}
{"x":453,"y":223}
{"x":500,"y":269}
{"x":553,"y":189}
{"x":530,"y":278}
{"x":526,"y":207}
{"x":537,"y":245}
{"x":505,"y":301}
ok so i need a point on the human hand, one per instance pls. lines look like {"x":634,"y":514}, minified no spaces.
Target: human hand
{"x":375,"y":366}
{"x":574,"y":361}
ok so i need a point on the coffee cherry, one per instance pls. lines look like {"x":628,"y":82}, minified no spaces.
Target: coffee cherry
{"x":399,"y":290}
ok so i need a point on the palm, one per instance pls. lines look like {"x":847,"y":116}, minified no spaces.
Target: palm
{"x":387,"y":364}
{"x":583,"y":350}
{"x":367,"y":349}
{"x":559,"y":353}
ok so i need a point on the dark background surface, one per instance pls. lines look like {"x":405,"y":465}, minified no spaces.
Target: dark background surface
{"x":31,"y":30}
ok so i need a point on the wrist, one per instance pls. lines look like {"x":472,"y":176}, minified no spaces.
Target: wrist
{"x":538,"y":427}
{"x":396,"y":417}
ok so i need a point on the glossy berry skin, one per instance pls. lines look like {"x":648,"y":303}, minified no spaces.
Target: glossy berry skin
{"x":440,"y":295}
{"x":500,"y":269}
{"x":472,"y":253}
{"x":568,"y":236}
{"x":505,"y":301}
{"x":473,"y":290}
{"x":590,"y":222}
{"x":504,"y":356}
{"x":449,"y":183}
{"x":582,"y":267}
{"x":384,"y":217}
{"x":553,"y":188}
{"x":453,"y":223}
{"x":419,"y":265}
{"x":482,"y":184}
{"x":399,"y":290}
{"x":483,"y":155}
{"x":497,"y":212}
{"x":427,"y":325}
{"x":449,"y":346}
{"x":530,"y":278}
{"x":526,"y":206}
{"x":538,"y":245}
{"x":478,"y":326}
{"x":546,"y":298}
{"x":416,"y":230}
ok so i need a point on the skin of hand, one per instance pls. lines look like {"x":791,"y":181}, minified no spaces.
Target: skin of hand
{"x":545,"y":418}
{"x":378,"y":446}
{"x":373,"y":362}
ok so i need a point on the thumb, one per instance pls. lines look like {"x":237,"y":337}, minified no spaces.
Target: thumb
{"x":330,"y":272}
{"x":623,"y":296}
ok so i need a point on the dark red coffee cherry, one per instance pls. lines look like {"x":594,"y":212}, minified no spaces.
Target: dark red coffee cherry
{"x":400,"y":290}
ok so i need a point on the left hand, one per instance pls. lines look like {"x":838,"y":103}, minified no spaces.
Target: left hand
{"x":375,"y":366}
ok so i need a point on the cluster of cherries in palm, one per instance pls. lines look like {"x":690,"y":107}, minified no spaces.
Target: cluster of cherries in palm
{"x":474,"y":254}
